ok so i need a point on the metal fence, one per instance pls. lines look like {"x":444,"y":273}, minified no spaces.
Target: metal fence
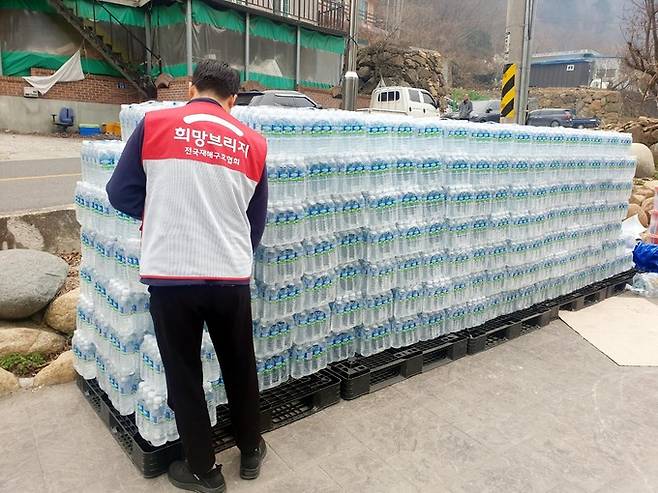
{"x":326,"y":14}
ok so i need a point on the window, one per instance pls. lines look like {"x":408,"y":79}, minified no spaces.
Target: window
{"x":571,"y":68}
{"x":383,"y":97}
{"x":284,"y":101}
{"x":414,"y":95}
{"x":394,"y":96}
{"x":428,"y":99}
{"x":301,"y":102}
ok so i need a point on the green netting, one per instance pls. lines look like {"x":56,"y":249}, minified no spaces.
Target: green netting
{"x":276,"y":31}
{"x":321,"y":41}
{"x":129,"y":16}
{"x":19,"y":63}
{"x":201,"y":14}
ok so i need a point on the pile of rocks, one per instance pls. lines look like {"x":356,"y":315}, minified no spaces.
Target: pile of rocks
{"x":644,"y":131}
{"x":399,"y":66}
{"x":642,"y":198}
{"x":32,"y":318}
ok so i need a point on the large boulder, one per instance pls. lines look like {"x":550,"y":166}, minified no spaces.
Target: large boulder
{"x":58,"y":371}
{"x":637,"y":199}
{"x":61,"y":313}
{"x":30,"y":280}
{"x":647,"y":206}
{"x":636,"y":210}
{"x":645,"y":165}
{"x":8,"y":382}
{"x":654,"y":151}
{"x":24,"y":340}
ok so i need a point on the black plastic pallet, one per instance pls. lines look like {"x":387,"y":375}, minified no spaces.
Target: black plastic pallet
{"x":362,"y":375}
{"x":594,"y":293}
{"x":493,"y":333}
{"x":617,"y":284}
{"x":280,"y":406}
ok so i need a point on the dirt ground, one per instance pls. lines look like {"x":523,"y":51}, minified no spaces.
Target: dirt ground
{"x":16,"y":147}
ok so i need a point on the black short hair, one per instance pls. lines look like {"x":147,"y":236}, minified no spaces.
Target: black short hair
{"x":216,"y":77}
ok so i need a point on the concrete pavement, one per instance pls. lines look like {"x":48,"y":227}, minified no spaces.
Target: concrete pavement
{"x":37,"y":184}
{"x":546,"y":412}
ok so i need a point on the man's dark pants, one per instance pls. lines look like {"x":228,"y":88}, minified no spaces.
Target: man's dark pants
{"x":178,"y":315}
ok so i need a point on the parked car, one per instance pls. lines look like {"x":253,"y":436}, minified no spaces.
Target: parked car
{"x":291,"y":99}
{"x":403,"y":100}
{"x":584,"y":122}
{"x":551,"y":117}
{"x":486,"y":111}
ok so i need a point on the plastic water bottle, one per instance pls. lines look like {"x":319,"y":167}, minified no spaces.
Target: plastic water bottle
{"x":373,"y":339}
{"x":152,"y":369}
{"x":308,"y":359}
{"x":84,"y":352}
{"x":311,"y":325}
{"x":272,"y":337}
{"x":210,"y":363}
{"x":340,"y":346}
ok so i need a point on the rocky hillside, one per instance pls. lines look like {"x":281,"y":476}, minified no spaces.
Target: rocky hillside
{"x":402,"y":67}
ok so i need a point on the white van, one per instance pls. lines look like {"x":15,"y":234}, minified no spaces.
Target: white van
{"x":403,"y":100}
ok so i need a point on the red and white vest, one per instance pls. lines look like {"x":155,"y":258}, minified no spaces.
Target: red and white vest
{"x":202,"y":166}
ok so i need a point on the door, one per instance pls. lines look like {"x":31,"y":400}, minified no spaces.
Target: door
{"x":430,"y":108}
{"x":416,"y":104}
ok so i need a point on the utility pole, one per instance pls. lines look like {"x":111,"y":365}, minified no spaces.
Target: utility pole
{"x":518,"y":52}
{"x":351,"y":79}
{"x":188,"y":38}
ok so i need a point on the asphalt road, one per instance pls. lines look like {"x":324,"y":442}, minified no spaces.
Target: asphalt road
{"x":37,"y":184}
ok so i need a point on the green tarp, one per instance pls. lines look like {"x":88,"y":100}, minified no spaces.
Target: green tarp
{"x":269,"y":81}
{"x":321,"y":41}
{"x":276,"y":31}
{"x":222,"y":19}
{"x":84,"y":8}
{"x":201,"y":14}
{"x":19,"y":63}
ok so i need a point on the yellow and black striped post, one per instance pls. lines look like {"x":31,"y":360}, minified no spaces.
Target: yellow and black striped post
{"x":509,"y":92}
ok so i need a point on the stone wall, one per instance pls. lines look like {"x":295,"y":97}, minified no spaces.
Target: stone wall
{"x":400,"y":67}
{"x":604,"y":104}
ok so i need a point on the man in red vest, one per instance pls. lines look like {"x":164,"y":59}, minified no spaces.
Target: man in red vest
{"x":196,"y":177}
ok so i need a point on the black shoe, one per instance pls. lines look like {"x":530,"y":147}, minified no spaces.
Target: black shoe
{"x":182,"y":477}
{"x":250,"y":462}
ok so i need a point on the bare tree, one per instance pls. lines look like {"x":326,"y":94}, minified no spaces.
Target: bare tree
{"x":641,"y":33}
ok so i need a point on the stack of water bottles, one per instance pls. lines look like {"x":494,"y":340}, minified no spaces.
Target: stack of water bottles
{"x":114,"y":341}
{"x":381,"y":231}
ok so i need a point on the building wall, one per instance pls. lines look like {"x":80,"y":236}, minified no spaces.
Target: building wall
{"x":94,"y":88}
{"x":557,"y":75}
{"x":21,"y":114}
